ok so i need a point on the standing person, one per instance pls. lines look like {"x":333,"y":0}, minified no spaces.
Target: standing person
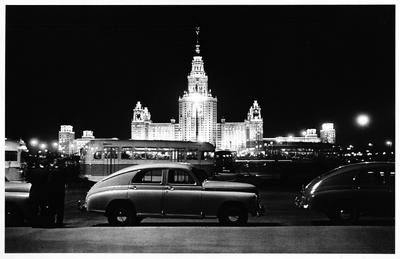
{"x":38,"y":197}
{"x":56,"y":184}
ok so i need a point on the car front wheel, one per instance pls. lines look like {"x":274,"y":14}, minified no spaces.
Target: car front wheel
{"x":233,"y":215}
{"x":121,"y":215}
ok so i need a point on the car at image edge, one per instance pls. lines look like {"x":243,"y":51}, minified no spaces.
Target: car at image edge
{"x":348,"y":192}
{"x":171,"y":190}
{"x":17,"y":207}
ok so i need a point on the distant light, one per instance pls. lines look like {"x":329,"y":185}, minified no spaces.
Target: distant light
{"x":303,"y":133}
{"x":388,"y":143}
{"x":362,"y":120}
{"x":370,"y":144}
{"x":43,"y":146}
{"x":55,"y":144}
{"x":34,"y":142}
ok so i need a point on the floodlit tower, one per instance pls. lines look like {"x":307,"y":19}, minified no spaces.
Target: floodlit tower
{"x":66,"y":137}
{"x":140,"y":122}
{"x":197,"y":106}
{"x":328,"y":133}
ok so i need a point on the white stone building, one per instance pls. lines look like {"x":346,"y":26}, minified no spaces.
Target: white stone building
{"x":198,"y":117}
{"x":66,"y":137}
{"x":328,"y":133}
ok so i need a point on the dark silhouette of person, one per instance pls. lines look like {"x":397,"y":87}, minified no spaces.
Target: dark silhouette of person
{"x":38,"y":194}
{"x":56,"y":187}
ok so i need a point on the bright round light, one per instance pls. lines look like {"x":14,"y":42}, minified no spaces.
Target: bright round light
{"x":303,"y":133}
{"x":389,"y":143}
{"x":43,"y":146}
{"x":55,"y":144}
{"x":362,"y":120}
{"x":34,"y":142}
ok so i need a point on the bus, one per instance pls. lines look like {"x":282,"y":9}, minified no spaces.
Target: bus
{"x":15,"y":160}
{"x":100,"y":157}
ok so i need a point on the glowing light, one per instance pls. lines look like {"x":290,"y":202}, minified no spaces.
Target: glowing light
{"x":370,"y":144}
{"x":43,"y":146}
{"x":362,"y":120}
{"x":34,"y":142}
{"x":55,"y":144}
{"x":388,"y":143}
{"x":303,"y":133}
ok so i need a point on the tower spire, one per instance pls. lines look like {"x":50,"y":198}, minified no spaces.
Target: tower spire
{"x":197,"y":40}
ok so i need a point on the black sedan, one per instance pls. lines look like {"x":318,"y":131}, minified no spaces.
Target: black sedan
{"x":348,"y":192}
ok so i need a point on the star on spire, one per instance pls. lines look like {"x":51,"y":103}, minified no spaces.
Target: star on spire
{"x":197,"y":40}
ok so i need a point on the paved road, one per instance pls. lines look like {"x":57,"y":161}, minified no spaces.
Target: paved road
{"x":204,"y":239}
{"x":284,"y":229}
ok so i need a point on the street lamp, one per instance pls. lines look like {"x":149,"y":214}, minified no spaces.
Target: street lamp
{"x":43,"y":146}
{"x":34,"y":142}
{"x":388,"y":143}
{"x":363,"y":120}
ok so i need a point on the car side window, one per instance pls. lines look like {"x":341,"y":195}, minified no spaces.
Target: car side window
{"x":149,"y":176}
{"x":371,"y":177}
{"x":343,"y":179}
{"x":178,"y":176}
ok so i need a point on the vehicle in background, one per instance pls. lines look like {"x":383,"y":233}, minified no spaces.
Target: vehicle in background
{"x":348,"y":192}
{"x":100,"y":158}
{"x":15,"y":160}
{"x":224,"y":161}
{"x":17,"y":205}
{"x":175,"y":190}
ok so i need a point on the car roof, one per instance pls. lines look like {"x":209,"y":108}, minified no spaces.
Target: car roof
{"x":176,"y":165}
{"x":346,"y":168}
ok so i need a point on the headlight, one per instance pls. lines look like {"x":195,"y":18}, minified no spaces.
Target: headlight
{"x":314,"y":188}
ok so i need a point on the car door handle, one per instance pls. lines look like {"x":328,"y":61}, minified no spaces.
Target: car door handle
{"x":132,"y":187}
{"x":171,"y":188}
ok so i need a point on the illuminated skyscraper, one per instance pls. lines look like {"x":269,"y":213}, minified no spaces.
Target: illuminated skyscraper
{"x":328,"y":133}
{"x":197,"y":107}
{"x":66,"y":137}
{"x":198,"y":117}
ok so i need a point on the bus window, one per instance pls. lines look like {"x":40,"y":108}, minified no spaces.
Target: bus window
{"x":110,"y":152}
{"x":127,"y":153}
{"x":139,"y":154}
{"x":207,"y":155}
{"x":11,"y":156}
{"x":192,"y":155}
{"x":97,"y":155}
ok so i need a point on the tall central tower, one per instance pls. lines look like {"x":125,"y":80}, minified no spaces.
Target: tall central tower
{"x":197,"y":107}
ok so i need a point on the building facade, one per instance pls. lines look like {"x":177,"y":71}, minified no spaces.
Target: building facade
{"x":198,"y":117}
{"x":66,"y":137}
{"x":79,"y":143}
{"x":328,"y":133}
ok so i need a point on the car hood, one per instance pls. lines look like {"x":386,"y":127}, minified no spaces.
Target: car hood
{"x":228,"y":186}
{"x":17,"y":187}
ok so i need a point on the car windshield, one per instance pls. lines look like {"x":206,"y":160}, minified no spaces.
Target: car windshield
{"x":200,"y":174}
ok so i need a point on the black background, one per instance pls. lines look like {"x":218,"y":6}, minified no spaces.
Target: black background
{"x":87,"y":66}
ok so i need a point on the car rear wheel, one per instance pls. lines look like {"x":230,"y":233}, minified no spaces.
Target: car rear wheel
{"x":233,"y":215}
{"x":344,"y":215}
{"x":121,"y":215}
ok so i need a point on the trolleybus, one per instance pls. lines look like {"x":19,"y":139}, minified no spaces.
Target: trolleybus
{"x":100,"y":158}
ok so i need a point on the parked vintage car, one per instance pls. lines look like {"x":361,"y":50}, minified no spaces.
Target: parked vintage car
{"x":350,"y":191}
{"x":16,"y":202}
{"x":171,"y":190}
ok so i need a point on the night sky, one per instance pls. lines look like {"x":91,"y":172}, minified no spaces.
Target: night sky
{"x":88,"y":66}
